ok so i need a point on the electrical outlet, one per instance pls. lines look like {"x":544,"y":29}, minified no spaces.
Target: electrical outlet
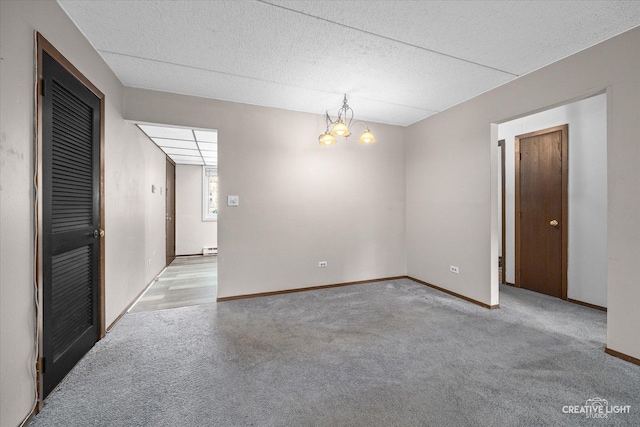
{"x":322,"y":264}
{"x":149,"y":262}
{"x":454,"y":269}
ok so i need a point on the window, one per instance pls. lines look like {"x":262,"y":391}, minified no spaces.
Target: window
{"x":209,"y":193}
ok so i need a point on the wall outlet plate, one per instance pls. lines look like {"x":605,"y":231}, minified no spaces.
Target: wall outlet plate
{"x":233,"y":200}
{"x":322,"y":264}
{"x":454,"y":269}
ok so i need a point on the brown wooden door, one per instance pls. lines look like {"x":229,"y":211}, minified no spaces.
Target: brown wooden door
{"x":171,"y":211}
{"x":541,"y":211}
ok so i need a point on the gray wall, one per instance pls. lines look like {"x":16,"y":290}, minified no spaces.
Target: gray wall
{"x":133,"y":214}
{"x":300,"y":203}
{"x":587,"y":222}
{"x":192,"y":233}
{"x":452,"y":179}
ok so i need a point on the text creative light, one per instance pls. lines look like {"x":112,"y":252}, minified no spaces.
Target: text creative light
{"x":341,"y":126}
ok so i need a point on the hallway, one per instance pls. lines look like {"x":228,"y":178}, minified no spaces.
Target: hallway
{"x":186,"y":281}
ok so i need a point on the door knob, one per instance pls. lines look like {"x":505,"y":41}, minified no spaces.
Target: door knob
{"x":98,"y":233}
{"x":553,"y":223}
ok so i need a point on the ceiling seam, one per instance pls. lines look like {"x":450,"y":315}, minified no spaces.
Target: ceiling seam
{"x":255,"y":78}
{"x":388,"y":38}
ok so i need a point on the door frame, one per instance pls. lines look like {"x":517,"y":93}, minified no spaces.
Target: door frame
{"x":166,"y":196}
{"x":503,"y":203}
{"x":564,"y":151}
{"x":42,"y":45}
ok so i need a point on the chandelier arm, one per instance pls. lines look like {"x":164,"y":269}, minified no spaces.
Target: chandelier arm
{"x":328,"y":120}
{"x":350,"y":120}
{"x":344,"y":109}
{"x":363,"y":122}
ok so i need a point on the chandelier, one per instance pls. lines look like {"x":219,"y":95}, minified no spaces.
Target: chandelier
{"x":342,"y":127}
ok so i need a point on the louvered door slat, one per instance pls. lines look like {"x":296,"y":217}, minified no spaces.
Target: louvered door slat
{"x":68,"y":176}
{"x":69,"y":138}
{"x":66,"y":144}
{"x":72,"y":207}
{"x":64,"y":183}
{"x":68,"y":162}
{"x":77,"y":160}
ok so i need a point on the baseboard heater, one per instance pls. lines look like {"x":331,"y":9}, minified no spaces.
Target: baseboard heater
{"x":209,"y":251}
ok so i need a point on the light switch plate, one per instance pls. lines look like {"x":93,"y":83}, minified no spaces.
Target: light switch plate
{"x":233,"y":200}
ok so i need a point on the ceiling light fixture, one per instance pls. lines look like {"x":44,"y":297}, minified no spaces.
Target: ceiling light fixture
{"x":341,"y":126}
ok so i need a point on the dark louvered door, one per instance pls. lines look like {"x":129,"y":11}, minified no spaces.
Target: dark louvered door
{"x":71,"y":209}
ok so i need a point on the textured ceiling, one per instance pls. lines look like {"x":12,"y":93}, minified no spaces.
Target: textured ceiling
{"x":398,"y":61}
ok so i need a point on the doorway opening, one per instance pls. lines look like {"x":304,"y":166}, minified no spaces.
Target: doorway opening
{"x":584,"y":221}
{"x":170,"y":211}
{"x":191,"y":197}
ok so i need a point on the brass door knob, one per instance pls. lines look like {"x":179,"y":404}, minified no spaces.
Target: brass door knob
{"x":553,"y":223}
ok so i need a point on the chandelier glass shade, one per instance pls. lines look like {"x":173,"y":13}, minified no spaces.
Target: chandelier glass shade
{"x":342,"y":125}
{"x":367,"y":137}
{"x":327,"y":139}
{"x":340,"y":129}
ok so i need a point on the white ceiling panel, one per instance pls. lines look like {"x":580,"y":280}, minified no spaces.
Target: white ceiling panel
{"x":177,"y":143}
{"x":398,"y":61}
{"x":513,"y":36}
{"x":207,"y":145}
{"x":190,"y":163}
{"x":167,"y":132}
{"x":206,"y":136}
{"x":186,"y":159}
{"x":201,"y":83}
{"x":182,"y":151}
{"x":181,"y":161}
